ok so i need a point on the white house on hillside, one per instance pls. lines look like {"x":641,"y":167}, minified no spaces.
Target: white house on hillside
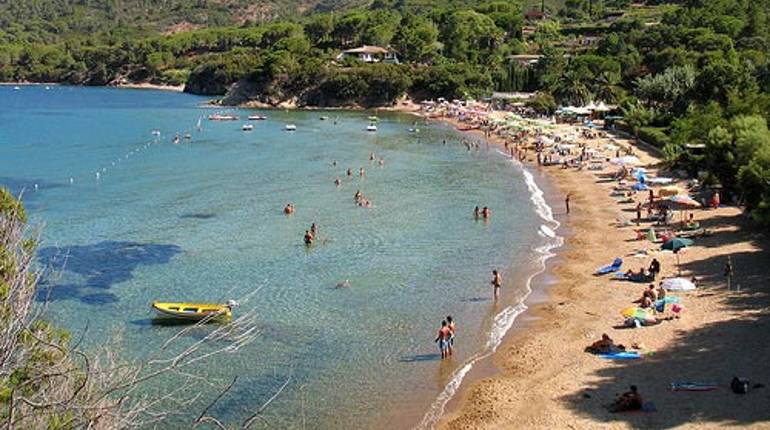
{"x":370,"y":54}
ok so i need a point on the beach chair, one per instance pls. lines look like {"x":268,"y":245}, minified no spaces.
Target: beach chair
{"x":614,"y":267}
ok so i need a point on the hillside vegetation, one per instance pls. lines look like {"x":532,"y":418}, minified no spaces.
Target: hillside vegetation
{"x":686,"y":73}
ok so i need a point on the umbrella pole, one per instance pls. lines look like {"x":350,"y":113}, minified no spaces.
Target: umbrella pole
{"x":678,"y":267}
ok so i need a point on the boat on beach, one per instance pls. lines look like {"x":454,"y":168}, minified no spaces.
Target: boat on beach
{"x":220,"y":117}
{"x":194,"y":311}
{"x":257,"y":117}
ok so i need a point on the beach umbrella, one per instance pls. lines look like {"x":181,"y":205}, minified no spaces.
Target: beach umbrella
{"x":628,"y":160}
{"x":678,"y":284}
{"x":637,"y":313}
{"x":601,"y":107}
{"x":676,"y":244}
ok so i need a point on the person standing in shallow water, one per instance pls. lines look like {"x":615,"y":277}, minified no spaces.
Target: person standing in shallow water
{"x":497,"y":283}
{"x":476,"y":213}
{"x":308,"y":238}
{"x":443,"y":340}
{"x":452,"y":331}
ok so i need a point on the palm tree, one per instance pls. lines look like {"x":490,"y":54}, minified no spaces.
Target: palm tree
{"x":571,"y":88}
{"x":606,"y":88}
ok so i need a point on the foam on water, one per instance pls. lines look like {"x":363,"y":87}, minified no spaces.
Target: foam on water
{"x":504,"y":320}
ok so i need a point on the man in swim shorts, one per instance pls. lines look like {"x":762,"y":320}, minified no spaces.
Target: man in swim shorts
{"x":443,"y":340}
{"x":452,"y":331}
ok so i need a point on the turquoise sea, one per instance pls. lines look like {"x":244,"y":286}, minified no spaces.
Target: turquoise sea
{"x":129,"y":217}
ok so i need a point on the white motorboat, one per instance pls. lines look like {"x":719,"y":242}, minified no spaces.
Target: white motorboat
{"x":247,"y":127}
{"x":371,"y":127}
{"x":291,"y":127}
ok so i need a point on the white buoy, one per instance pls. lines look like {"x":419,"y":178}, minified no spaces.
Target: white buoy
{"x":35,"y":187}
{"x":72,"y":180}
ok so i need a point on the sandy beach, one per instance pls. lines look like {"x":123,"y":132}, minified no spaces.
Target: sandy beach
{"x":149,"y":86}
{"x":546,"y":380}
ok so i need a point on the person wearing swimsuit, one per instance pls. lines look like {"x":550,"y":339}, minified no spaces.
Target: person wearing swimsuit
{"x":497,"y":283}
{"x":443,"y":340}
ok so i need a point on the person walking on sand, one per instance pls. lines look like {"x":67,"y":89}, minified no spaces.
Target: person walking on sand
{"x":638,"y":213}
{"x":654,"y":268}
{"x":497,"y":283}
{"x":566,"y":202}
{"x":443,"y":339}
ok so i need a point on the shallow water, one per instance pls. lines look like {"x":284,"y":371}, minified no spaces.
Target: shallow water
{"x":203,"y":221}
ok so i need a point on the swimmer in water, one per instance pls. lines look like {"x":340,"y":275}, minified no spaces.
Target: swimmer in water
{"x":486,"y":213}
{"x":476,"y":213}
{"x":334,"y":163}
{"x":382,"y":162}
{"x":350,"y":172}
{"x":358,"y":196}
{"x":361,"y":172}
{"x":313,"y":230}
{"x":289,"y":209}
{"x":371,"y":156}
{"x":337,"y":182}
{"x":308,"y":238}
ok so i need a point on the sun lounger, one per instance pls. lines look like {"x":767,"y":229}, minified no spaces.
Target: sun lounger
{"x":614,"y":267}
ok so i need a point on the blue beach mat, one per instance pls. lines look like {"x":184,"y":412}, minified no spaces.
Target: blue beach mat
{"x":626,"y":355}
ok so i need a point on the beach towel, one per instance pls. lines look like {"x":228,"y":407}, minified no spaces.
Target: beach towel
{"x":693,"y":386}
{"x":624,"y":355}
{"x":614,"y":267}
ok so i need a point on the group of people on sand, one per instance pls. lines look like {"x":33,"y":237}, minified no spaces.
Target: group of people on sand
{"x":481,"y":213}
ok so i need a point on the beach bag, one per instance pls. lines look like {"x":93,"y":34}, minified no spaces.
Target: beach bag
{"x":740,"y":385}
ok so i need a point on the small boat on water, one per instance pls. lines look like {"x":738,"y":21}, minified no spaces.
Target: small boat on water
{"x":156,"y":132}
{"x":195,"y":311}
{"x":323,"y":118}
{"x":291,"y":127}
{"x":371,"y":127}
{"x":188,"y":136}
{"x":257,"y":118}
{"x":247,"y":127}
{"x":17,"y":88}
{"x":220,"y":117}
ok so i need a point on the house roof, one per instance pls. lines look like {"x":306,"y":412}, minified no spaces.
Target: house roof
{"x":366,"y":49}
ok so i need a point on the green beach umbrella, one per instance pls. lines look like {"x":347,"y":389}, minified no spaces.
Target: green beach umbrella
{"x":676,"y":244}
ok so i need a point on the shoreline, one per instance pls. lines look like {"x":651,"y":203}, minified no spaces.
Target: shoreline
{"x":544,"y":364}
{"x":517,"y":317}
{"x":139,"y":86}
